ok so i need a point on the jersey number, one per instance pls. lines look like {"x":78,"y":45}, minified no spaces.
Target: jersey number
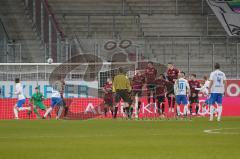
{"x":181,"y":86}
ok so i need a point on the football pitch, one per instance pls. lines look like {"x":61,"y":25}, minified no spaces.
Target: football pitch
{"x":120,"y":139}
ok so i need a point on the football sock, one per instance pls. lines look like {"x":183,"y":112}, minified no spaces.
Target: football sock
{"x":219,"y":112}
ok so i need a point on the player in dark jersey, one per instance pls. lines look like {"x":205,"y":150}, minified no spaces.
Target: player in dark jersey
{"x":193,"y":98}
{"x":108,"y":97}
{"x":172,"y":75}
{"x":161,"y":89}
{"x":150,"y":74}
{"x":62,"y":88}
{"x":137,"y":85}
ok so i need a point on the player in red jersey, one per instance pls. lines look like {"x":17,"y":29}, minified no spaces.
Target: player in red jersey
{"x":108,"y":96}
{"x":193,"y":98}
{"x":161,"y":89}
{"x":172,"y":75}
{"x":66,"y":108}
{"x":150,"y":74}
{"x":137,"y":85}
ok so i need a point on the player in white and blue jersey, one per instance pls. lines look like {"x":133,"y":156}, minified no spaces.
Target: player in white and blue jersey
{"x":181,"y":90}
{"x":217,"y":88}
{"x":21,"y":99}
{"x":56,"y":100}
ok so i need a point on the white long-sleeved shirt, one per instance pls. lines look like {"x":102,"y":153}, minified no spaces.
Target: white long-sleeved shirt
{"x":204,"y":88}
{"x":19,"y":91}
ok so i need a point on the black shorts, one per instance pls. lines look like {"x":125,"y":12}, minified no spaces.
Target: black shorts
{"x":160,"y":99}
{"x":151,"y":87}
{"x":137,"y":92}
{"x":124,"y":95}
{"x":193,"y":99}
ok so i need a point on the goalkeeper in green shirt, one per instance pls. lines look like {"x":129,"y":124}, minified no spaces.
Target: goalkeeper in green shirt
{"x":37,"y":101}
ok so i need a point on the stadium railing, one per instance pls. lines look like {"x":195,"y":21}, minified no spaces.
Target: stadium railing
{"x":4,"y":38}
{"x":46,"y":25}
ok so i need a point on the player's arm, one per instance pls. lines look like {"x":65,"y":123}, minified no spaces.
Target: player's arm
{"x":104,"y":90}
{"x":114,"y":85}
{"x":225,"y":84}
{"x":188,"y":88}
{"x":210,"y":83}
{"x":128,"y":85}
{"x":175,"y":87}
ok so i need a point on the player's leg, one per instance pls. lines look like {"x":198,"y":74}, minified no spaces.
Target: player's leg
{"x":116,"y":101}
{"x":178,"y":101}
{"x":197,"y":104}
{"x":61,"y":108}
{"x":148,"y":94}
{"x":191,"y":100}
{"x":66,"y":108}
{"x":158,"y":105}
{"x":219,"y":102}
{"x":127,"y":103}
{"x":49,"y":110}
{"x":19,"y":107}
{"x":185,"y":103}
{"x":15,"y":111}
{"x":173,"y":103}
{"x":105,"y":106}
{"x":169,"y":102}
{"x":36,"y":110}
{"x":163,"y":104}
{"x":212,"y":101}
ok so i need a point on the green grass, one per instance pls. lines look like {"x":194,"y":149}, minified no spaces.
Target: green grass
{"x":119,"y":139}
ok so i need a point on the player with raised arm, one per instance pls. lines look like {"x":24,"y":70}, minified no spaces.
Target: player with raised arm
{"x":21,"y":99}
{"x":193,"y":98}
{"x":56,"y":100}
{"x":204,"y":90}
{"x":172,"y":75}
{"x":217,"y":89}
{"x":137,"y":85}
{"x":108,"y":97}
{"x":161,"y":89}
{"x":151,"y":74}
{"x":36,"y":100}
{"x":181,"y":90}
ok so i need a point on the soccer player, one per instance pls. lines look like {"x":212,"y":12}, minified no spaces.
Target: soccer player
{"x":161,"y":89}
{"x":204,"y":90}
{"x":137,"y":85}
{"x":122,"y":89}
{"x":108,"y":96}
{"x":56,"y":100}
{"x":62,"y":88}
{"x":36,"y":100}
{"x":151,"y":73}
{"x":181,"y":89}
{"x":21,"y":99}
{"x":172,"y":75}
{"x":193,"y":98}
{"x":217,"y":88}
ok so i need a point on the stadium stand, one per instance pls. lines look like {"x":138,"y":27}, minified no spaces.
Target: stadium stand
{"x":22,"y":35}
{"x":184,"y":32}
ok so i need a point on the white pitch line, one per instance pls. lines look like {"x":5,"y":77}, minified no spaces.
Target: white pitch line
{"x":219,"y":131}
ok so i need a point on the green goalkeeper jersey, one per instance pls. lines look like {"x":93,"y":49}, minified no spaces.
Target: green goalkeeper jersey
{"x":37,"y":97}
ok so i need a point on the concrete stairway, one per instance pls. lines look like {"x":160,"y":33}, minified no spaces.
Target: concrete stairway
{"x":21,"y":30}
